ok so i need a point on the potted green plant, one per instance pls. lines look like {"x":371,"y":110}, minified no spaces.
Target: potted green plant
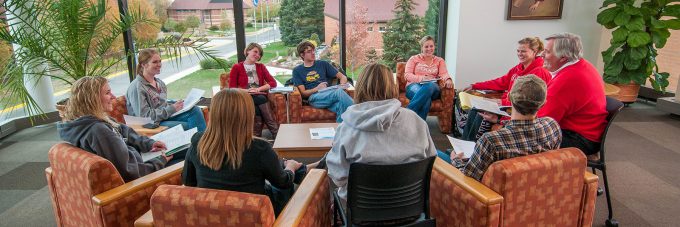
{"x":69,"y":39}
{"x":639,"y":29}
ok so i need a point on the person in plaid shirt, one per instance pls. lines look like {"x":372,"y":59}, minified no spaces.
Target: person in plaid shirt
{"x":523,"y":134}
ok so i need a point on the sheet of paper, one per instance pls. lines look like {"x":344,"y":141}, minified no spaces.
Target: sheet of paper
{"x":190,"y":101}
{"x":428,"y":81}
{"x":343,"y":86}
{"x":215,"y":89}
{"x":322,"y":133}
{"x":486,"y":105}
{"x":281,"y":89}
{"x":175,"y":139}
{"x":467,"y":147}
{"x":132,"y":120}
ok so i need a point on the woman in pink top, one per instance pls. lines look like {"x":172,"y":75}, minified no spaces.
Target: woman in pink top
{"x":422,"y":72}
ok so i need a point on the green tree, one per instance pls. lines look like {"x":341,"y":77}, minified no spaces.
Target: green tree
{"x":315,"y":39}
{"x":300,"y":19}
{"x":400,"y":41}
{"x":181,"y":27}
{"x":261,"y":11}
{"x":432,"y":18}
{"x":170,"y":25}
{"x":192,"y":22}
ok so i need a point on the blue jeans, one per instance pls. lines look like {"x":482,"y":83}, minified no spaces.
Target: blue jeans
{"x":278,"y":196}
{"x":444,"y":156}
{"x":336,"y":100}
{"x":421,"y":96}
{"x":190,"y":119}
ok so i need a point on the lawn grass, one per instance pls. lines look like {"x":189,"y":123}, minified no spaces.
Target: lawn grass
{"x":203,"y":79}
{"x":270,"y":52}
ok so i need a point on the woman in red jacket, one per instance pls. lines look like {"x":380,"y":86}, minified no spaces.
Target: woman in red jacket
{"x":254,"y":77}
{"x":530,"y":62}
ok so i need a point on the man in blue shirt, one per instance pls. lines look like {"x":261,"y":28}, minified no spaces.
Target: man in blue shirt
{"x":312,"y":76}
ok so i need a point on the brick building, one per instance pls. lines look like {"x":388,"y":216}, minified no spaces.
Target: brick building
{"x":379,"y":13}
{"x":210,"y":12}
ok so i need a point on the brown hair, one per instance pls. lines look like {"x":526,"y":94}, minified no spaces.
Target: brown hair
{"x":534,"y":44}
{"x":143,"y":57}
{"x":303,"y":46}
{"x":230,"y":130}
{"x":425,"y":39}
{"x":86,"y":100}
{"x":253,"y":46}
{"x":375,"y":83}
{"x":527,"y":94}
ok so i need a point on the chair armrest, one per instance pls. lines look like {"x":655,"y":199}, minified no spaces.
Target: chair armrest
{"x":139,"y":184}
{"x":295,"y":102}
{"x":587,"y":211}
{"x":469,"y":185}
{"x":457,"y":200}
{"x":447,"y":94}
{"x":310,"y":205}
{"x":277,"y":102}
{"x":145,"y":220}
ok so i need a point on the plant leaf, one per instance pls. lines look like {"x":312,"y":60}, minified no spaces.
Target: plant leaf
{"x":657,"y":24}
{"x":619,"y":35}
{"x":659,"y":37}
{"x":614,"y":68}
{"x":636,"y":39}
{"x":671,"y":10}
{"x":630,"y":63}
{"x":622,"y":18}
{"x":636,"y":23}
{"x":672,"y":24}
{"x":607,"y":15}
{"x":638,"y":53}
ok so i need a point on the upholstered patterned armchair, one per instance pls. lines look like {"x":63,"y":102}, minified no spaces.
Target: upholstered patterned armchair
{"x":86,"y":190}
{"x":442,"y":108}
{"x":302,"y":112}
{"x":546,"y":189}
{"x":171,"y":205}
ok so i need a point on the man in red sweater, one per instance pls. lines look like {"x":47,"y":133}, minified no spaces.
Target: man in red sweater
{"x":575,"y":96}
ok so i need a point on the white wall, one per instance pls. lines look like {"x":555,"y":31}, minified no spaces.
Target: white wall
{"x":481,"y":43}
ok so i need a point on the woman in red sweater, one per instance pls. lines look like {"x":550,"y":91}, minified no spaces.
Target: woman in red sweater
{"x":529,"y":50}
{"x":256,"y":79}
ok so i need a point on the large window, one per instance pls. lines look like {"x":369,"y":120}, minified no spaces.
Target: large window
{"x":400,"y":25}
{"x":668,"y":59}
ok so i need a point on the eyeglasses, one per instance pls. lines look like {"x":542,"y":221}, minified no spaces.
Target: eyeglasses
{"x":309,"y":51}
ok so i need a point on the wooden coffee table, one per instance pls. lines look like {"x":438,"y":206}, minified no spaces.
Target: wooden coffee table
{"x":294,"y":141}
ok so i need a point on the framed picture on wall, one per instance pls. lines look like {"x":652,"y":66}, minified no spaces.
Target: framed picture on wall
{"x":534,"y":9}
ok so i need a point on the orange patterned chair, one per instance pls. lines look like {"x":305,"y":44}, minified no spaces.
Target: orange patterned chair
{"x":86,"y":190}
{"x":442,"y":108}
{"x":301,"y":112}
{"x":277,"y":101}
{"x":310,"y":206}
{"x":546,"y":189}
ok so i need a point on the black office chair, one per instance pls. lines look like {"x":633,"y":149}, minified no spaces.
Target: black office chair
{"x":613,"y":108}
{"x":394,"y":195}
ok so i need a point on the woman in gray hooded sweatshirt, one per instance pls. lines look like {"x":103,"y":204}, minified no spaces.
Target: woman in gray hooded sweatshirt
{"x":377,"y":130}
{"x":87,"y":125}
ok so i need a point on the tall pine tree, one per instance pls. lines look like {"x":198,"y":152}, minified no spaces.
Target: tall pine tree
{"x":300,"y":19}
{"x":400,"y":41}
{"x":432,"y":18}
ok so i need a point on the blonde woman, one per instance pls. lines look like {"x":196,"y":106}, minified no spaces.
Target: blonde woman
{"x":147,"y":96}
{"x":377,"y":129}
{"x":421,"y":73}
{"x":228,"y":157}
{"x":86,"y":125}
